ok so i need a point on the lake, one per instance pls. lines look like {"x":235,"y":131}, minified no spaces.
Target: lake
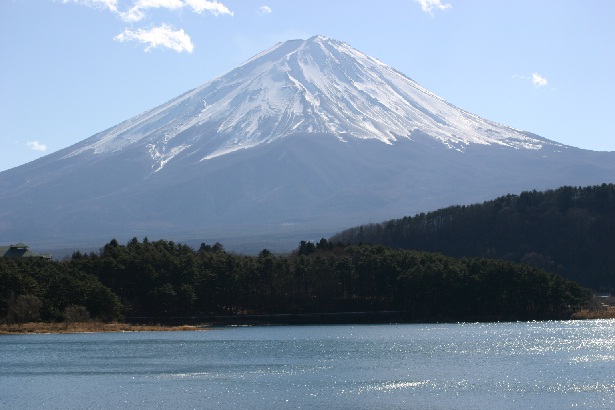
{"x":541,"y":365}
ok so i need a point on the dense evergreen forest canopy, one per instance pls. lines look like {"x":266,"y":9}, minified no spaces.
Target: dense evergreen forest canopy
{"x":569,"y":231}
{"x":163,"y":279}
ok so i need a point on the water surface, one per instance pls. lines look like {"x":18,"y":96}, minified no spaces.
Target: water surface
{"x":543,"y":365}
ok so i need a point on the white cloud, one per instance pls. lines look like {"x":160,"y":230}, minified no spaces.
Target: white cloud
{"x":98,"y":4}
{"x":132,"y":15}
{"x":36,"y":146}
{"x":159,"y":4}
{"x":264,"y":10}
{"x":429,"y":5}
{"x":136,"y":12}
{"x":538,"y":80}
{"x":163,"y":36}
{"x":213,"y":7}
{"x":139,"y":7}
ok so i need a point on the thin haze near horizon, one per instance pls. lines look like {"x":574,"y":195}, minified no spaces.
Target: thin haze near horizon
{"x":73,"y":68}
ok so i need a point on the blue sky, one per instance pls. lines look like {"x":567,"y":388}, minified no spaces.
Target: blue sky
{"x":72,"y":68}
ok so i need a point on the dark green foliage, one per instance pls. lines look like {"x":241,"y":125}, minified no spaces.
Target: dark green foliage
{"x":162,"y":279}
{"x":24,"y":308}
{"x":569,"y":231}
{"x":32,"y":289}
{"x":76,"y":313}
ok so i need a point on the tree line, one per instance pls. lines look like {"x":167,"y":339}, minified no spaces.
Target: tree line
{"x":33,"y":289}
{"x":164,"y":279}
{"x":569,"y":231}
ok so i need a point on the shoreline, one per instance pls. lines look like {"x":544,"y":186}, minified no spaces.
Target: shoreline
{"x":608,"y":313}
{"x":91,"y":327}
{"x":102,"y":327}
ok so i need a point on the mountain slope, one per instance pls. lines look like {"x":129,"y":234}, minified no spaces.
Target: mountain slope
{"x":306,"y":138}
{"x":314,"y":86}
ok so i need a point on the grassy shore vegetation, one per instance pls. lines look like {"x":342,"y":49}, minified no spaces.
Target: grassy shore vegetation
{"x":600,"y":307}
{"x":88,"y":327}
{"x":164,"y":280}
{"x":584,"y":314}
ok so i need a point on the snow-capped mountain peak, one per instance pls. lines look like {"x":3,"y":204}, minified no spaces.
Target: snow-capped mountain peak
{"x":317,"y":85}
{"x":300,"y":141}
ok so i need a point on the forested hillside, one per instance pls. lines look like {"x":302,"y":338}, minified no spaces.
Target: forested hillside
{"x":569,"y":231}
{"x":162,"y":279}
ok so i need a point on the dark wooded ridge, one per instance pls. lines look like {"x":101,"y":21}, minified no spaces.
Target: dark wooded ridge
{"x":569,"y":231}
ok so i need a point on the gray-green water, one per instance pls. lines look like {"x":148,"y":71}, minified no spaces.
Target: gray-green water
{"x":542,"y":365}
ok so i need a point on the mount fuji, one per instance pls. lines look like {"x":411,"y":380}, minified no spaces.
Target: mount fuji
{"x":300,"y":141}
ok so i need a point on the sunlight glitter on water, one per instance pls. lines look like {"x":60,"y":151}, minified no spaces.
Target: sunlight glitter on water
{"x":546,"y":365}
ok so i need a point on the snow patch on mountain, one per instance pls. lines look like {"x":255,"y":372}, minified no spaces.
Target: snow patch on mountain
{"x":318,"y":85}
